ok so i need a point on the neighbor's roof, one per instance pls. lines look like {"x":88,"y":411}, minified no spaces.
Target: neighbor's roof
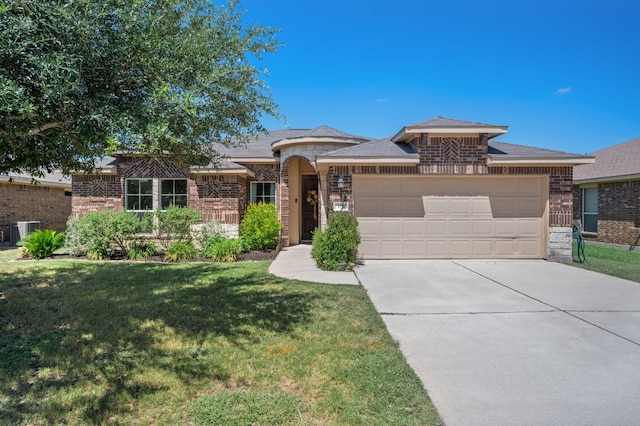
{"x":54,"y":179}
{"x":503,"y":152}
{"x":619,"y":162}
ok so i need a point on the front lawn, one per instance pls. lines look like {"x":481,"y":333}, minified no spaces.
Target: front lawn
{"x":200,"y":343}
{"x":618,"y":262}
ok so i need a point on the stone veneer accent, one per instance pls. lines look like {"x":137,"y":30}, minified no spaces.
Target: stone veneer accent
{"x":618,"y":212}
{"x":51,"y":206}
{"x":560,"y":240}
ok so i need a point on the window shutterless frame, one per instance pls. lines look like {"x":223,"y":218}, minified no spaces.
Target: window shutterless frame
{"x":263,"y":192}
{"x":590,"y":209}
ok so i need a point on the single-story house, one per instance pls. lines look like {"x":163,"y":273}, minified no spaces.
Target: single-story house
{"x":26,"y":198}
{"x":441,"y":188}
{"x":607,"y":195}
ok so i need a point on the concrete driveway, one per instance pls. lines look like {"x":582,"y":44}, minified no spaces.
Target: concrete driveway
{"x":514,"y":342}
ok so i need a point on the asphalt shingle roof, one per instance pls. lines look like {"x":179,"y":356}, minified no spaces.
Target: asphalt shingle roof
{"x":376,"y":148}
{"x":444,"y":122}
{"x":616,"y":161}
{"x":505,"y":150}
{"x":55,"y":178}
{"x":261,"y":147}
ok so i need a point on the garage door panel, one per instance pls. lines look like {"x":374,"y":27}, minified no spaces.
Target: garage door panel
{"x":413,"y":249}
{"x":482,"y":249}
{"x":483,"y":228}
{"x":435,"y":217}
{"x":460,"y":228}
{"x":436,"y":227}
{"x":413,"y":228}
{"x":436,"y":249}
{"x":528,"y":227}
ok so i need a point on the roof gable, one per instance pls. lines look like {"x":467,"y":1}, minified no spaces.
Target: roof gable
{"x":444,"y":125}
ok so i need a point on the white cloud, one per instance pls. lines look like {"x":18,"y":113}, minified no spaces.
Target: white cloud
{"x":381,"y":100}
{"x":563,"y":90}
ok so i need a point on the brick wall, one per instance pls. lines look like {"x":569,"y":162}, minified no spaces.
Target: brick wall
{"x":220,"y":198}
{"x":96,"y":192}
{"x":216,"y":197}
{"x":26,"y":202}
{"x":618,"y":212}
{"x":452,"y":155}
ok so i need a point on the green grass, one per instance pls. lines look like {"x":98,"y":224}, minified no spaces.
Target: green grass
{"x":618,"y":262}
{"x":202,"y":343}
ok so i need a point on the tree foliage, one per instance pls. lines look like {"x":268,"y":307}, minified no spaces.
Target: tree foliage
{"x":81,"y":78}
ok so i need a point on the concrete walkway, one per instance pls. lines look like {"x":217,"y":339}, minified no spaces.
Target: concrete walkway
{"x":295,"y":263}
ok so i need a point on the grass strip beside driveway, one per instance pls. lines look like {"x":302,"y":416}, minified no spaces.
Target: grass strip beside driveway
{"x":614,"y":261}
{"x":200,"y":343}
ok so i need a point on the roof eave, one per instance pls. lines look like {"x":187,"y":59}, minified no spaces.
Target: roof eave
{"x":255,"y":160}
{"x":368,"y":160}
{"x":275,"y":146}
{"x":18,"y":180}
{"x":603,"y":179}
{"x":547,"y":161}
{"x":408,"y":132}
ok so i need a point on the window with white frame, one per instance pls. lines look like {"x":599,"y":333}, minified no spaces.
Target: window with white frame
{"x":590,"y":209}
{"x":150,"y":194}
{"x":173,"y":191}
{"x":263,"y":192}
{"x":139,"y":194}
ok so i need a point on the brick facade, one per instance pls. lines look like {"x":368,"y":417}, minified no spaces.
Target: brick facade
{"x":618,"y":212}
{"x":51,"y":206}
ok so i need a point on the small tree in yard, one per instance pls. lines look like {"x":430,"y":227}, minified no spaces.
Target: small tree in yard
{"x":336,"y":247}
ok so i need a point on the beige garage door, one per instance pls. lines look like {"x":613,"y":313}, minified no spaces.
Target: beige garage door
{"x":464,"y":217}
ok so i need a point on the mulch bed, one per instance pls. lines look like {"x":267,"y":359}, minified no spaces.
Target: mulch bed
{"x":248,"y":256}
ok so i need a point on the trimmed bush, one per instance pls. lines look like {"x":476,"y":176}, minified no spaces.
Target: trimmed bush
{"x":95,"y":233}
{"x":222,"y":249}
{"x":335,"y":248}
{"x":181,"y":251}
{"x":174,"y":224}
{"x":42,"y":243}
{"x":260,"y":228}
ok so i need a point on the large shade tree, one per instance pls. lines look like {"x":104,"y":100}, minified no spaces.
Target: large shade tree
{"x":81,"y":78}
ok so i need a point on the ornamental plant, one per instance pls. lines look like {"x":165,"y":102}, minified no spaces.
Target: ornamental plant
{"x":260,"y":227}
{"x":335,"y":248}
{"x":221,"y":249}
{"x":42,"y":243}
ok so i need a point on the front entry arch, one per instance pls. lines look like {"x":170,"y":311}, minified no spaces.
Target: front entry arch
{"x":300,"y":200}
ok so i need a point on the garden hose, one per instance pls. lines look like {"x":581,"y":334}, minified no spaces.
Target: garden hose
{"x":577,"y":235}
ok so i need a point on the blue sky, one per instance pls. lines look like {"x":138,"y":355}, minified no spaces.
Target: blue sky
{"x":561,"y":74}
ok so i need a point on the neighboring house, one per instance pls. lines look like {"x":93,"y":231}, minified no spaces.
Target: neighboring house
{"x":25,"y":198}
{"x":437,"y":189}
{"x":607,"y":195}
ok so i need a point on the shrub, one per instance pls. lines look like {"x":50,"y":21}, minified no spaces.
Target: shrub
{"x":42,"y":243}
{"x":336,"y":247}
{"x":141,"y":250}
{"x":174,"y":224}
{"x":222,"y":249}
{"x":94,"y":233}
{"x":181,"y":251}
{"x":207,"y":230}
{"x":260,"y":228}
